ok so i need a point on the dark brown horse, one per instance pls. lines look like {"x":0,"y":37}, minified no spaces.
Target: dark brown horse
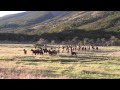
{"x":73,"y":53}
{"x":45,"y":50}
{"x":96,"y":48}
{"x":52,"y":52}
{"x":25,"y":51}
{"x":37,"y":52}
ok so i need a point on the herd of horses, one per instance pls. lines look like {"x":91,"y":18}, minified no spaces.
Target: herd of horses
{"x":72,"y":49}
{"x":42,"y":51}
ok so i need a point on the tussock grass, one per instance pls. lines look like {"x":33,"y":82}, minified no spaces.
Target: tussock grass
{"x":104,"y":63}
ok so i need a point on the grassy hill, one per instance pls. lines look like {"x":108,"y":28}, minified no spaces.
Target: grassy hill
{"x":63,"y":25}
{"x":84,"y":24}
{"x":22,"y":21}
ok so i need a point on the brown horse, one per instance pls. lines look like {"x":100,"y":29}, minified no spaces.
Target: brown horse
{"x":96,"y":48}
{"x":25,"y":51}
{"x":73,"y":53}
{"x":37,"y":52}
{"x":52,"y":52}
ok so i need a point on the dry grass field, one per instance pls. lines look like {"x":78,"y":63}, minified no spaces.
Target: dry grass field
{"x":101,"y":64}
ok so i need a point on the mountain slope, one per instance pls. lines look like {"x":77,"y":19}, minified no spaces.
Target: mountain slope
{"x":90,"y":20}
{"x":83,"y":24}
{"x":22,"y":20}
{"x":64,"y":25}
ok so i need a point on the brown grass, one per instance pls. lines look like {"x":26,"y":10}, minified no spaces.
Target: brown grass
{"x":104,"y":63}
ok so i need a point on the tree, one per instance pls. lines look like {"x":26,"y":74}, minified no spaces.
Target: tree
{"x":107,"y":43}
{"x":64,"y":42}
{"x":42,"y":41}
{"x":53,"y":42}
{"x":103,"y":41}
{"x":98,"y":41}
{"x":91,"y":41}
{"x":113,"y":40}
{"x":81,"y":42}
{"x":85,"y":41}
{"x":74,"y":40}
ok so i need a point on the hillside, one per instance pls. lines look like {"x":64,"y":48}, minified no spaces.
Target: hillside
{"x":22,"y":21}
{"x":63,"y":25}
{"x":83,"y":24}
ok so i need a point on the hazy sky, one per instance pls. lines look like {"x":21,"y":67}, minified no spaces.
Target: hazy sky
{"x":2,"y":13}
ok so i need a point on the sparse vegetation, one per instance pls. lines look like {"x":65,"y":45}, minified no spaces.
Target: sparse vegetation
{"x":87,"y":65}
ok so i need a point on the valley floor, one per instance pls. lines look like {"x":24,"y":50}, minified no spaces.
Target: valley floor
{"x":102,"y":64}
